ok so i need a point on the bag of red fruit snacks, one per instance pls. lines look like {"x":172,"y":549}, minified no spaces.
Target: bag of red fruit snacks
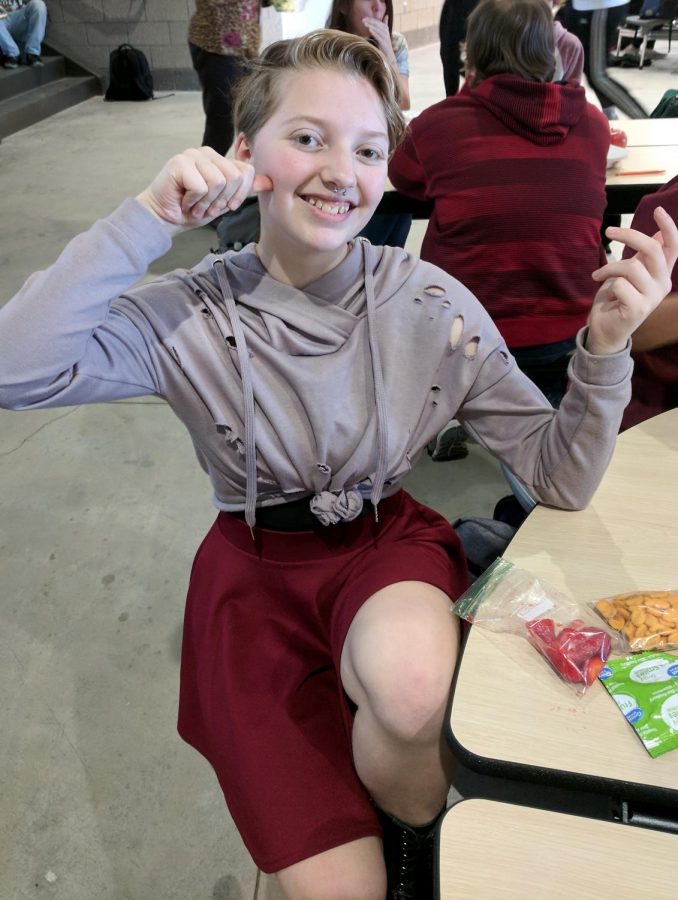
{"x":568,"y":635}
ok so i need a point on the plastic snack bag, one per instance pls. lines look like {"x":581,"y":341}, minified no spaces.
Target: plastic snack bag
{"x":645,"y":688}
{"x":648,"y":619}
{"x":568,"y":635}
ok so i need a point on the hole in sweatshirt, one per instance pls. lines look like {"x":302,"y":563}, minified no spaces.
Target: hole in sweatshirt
{"x":230,"y":340}
{"x":504,"y":355}
{"x":446,"y":304}
{"x":471,"y":348}
{"x":206,"y":313}
{"x":434,"y":290}
{"x":456,"y":331}
{"x":418,"y":300}
{"x":231,"y":438}
{"x":436,"y":388}
{"x":324,"y":468}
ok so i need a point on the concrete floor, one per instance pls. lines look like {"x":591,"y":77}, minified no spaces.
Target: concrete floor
{"x":101,"y":511}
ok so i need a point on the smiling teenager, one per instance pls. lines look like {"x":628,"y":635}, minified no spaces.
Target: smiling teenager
{"x":311,"y":369}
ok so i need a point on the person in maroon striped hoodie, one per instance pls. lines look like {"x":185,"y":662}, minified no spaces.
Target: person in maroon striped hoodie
{"x":515,"y":166}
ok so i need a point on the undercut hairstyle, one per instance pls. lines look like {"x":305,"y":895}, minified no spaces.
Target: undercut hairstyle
{"x":258,"y":93}
{"x":341,"y":11}
{"x":510,"y":37}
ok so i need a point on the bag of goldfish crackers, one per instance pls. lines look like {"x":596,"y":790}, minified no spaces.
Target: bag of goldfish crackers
{"x":647,"y":619}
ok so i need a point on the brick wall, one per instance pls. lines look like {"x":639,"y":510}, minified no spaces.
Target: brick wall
{"x":418,"y":20}
{"x":87,"y":30}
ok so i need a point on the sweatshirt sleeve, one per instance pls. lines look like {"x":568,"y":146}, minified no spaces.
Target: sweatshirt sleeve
{"x":560,"y":455}
{"x":61,"y":343}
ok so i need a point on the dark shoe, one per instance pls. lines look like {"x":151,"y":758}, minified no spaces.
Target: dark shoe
{"x":451,"y":443}
{"x":11,"y":62}
{"x":33,"y":60}
{"x":408,"y":854}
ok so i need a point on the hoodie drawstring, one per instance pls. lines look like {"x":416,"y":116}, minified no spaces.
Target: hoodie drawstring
{"x":378,"y":379}
{"x":248,"y":395}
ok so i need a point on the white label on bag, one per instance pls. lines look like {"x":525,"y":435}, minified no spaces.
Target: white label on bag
{"x":527,"y":613}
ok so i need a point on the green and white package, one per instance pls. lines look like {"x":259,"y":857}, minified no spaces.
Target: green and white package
{"x":645,"y":688}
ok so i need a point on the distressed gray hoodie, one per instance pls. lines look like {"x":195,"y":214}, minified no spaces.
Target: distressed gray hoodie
{"x":330,"y":392}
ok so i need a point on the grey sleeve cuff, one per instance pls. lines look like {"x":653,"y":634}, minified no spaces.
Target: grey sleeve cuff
{"x":611,"y":369}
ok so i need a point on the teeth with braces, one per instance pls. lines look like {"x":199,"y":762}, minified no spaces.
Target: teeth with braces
{"x":333,"y":209}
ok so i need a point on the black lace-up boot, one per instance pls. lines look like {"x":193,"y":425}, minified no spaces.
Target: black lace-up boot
{"x":408,"y":853}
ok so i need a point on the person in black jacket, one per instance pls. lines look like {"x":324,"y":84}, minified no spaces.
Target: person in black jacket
{"x":452,"y":31}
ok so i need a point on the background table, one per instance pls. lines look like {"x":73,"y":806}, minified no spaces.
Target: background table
{"x":624,"y":192}
{"x":492,"y":850}
{"x":649,"y":132}
{"x":510,"y":715}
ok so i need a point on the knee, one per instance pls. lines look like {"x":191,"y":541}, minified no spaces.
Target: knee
{"x":410,"y":700}
{"x":399,"y":659}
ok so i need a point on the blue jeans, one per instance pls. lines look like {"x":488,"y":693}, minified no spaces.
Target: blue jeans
{"x":25,"y":26}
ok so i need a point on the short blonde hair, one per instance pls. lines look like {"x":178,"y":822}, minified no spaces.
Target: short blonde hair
{"x":257,"y":94}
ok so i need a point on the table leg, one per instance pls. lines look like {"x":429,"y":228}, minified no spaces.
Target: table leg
{"x":643,"y":47}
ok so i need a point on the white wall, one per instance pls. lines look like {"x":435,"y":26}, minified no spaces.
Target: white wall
{"x":310,"y":14}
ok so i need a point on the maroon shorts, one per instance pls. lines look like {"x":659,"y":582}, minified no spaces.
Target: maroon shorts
{"x":261,"y":697}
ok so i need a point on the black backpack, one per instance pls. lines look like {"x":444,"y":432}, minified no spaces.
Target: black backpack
{"x":129,"y":75}
{"x":236,"y":229}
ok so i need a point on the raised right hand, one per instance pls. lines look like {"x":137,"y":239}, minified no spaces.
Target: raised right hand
{"x":198,"y":185}
{"x":378,"y":29}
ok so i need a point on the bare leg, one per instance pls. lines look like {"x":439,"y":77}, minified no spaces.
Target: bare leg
{"x":397,"y":667}
{"x":354,"y":870}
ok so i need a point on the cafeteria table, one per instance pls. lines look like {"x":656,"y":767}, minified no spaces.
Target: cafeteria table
{"x":496,"y":850}
{"x":514,"y":726}
{"x":655,"y":164}
{"x":649,"y":132}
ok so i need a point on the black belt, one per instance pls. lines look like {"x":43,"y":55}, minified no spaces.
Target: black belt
{"x":293,"y":516}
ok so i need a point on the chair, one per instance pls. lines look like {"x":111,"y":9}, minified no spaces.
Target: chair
{"x":521,"y":493}
{"x":650,"y":25}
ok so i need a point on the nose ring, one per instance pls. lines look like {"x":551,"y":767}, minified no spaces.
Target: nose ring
{"x":341,"y":191}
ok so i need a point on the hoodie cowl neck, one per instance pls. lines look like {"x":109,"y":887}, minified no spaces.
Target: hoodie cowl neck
{"x":541,"y":112}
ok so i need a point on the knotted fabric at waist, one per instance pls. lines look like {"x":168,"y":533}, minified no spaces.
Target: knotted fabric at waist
{"x":297,"y":515}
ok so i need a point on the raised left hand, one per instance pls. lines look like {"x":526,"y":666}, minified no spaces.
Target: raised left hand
{"x":632,"y":287}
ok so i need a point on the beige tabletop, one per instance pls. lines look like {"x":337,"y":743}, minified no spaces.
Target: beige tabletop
{"x":508,"y":705}
{"x":649,"y":132}
{"x":496,"y":850}
{"x":657,"y":165}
